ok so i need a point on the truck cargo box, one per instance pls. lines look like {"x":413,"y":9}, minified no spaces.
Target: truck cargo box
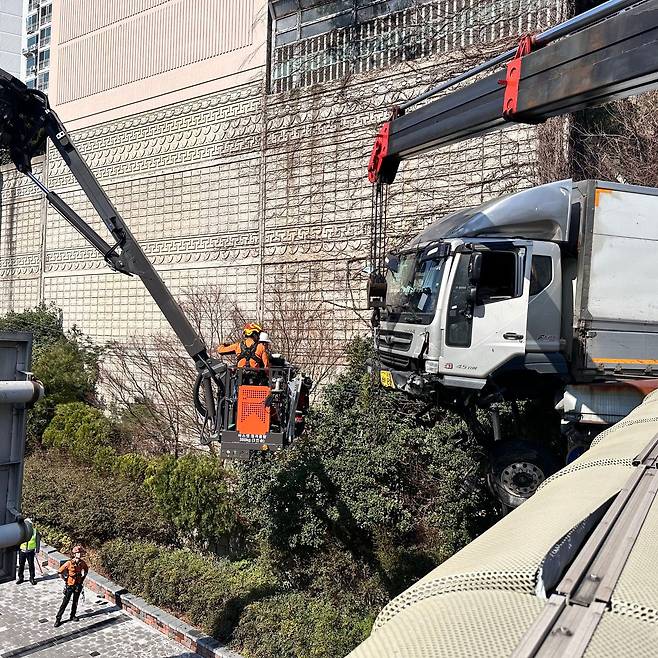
{"x":616,"y":305}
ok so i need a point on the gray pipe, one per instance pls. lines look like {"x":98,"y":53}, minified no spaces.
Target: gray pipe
{"x":13,"y":534}
{"x":20,"y":392}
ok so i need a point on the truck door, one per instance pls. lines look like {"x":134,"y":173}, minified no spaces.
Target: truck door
{"x":485,"y":322}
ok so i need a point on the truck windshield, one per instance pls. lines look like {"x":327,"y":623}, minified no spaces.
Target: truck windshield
{"x":413,"y":290}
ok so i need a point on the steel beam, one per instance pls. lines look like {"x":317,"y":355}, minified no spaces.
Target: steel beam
{"x":615,"y":58}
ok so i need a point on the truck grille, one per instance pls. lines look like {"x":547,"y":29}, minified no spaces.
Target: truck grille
{"x":395,"y":340}
{"x":395,"y":361}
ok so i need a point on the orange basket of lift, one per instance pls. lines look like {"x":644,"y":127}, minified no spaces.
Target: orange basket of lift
{"x":253,"y":415}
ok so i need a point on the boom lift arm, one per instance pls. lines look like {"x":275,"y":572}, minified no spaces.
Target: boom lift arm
{"x":26,"y":121}
{"x":607,"y":53}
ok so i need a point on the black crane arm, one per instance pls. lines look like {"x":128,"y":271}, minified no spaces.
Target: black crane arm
{"x":607,"y":53}
{"x":26,"y":122}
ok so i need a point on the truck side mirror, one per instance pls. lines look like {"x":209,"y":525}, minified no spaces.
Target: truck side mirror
{"x":392,"y":262}
{"x":475,"y":268}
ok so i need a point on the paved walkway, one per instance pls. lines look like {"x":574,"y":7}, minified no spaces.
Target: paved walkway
{"x":27,"y":614}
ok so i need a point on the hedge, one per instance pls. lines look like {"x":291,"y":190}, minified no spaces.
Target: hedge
{"x":83,"y":504}
{"x":296,"y":624}
{"x":210,"y":592}
{"x":193,"y":493}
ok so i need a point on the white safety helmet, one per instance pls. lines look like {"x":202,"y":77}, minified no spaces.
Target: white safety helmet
{"x":264,"y":338}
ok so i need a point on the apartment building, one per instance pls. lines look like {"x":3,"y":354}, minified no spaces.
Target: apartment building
{"x":38,"y":30}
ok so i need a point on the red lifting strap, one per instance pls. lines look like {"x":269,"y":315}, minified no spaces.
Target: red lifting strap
{"x":379,"y":152}
{"x":511,"y":83}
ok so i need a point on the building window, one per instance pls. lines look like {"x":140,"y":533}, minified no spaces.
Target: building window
{"x":31,"y":66}
{"x":44,"y":36}
{"x":43,"y":80}
{"x":46,"y":15}
{"x":31,"y":83}
{"x":44,"y":59}
{"x":316,"y":41}
{"x":33,"y":5}
{"x":32,"y":23}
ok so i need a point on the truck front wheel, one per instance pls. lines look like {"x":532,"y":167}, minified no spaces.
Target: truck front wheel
{"x":517,"y":468}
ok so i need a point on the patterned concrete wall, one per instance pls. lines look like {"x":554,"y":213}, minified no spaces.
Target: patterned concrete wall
{"x":262,"y":195}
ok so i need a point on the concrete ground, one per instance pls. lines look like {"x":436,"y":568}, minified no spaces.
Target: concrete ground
{"x":27,"y":614}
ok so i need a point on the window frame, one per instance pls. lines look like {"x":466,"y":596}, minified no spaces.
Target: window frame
{"x":461,"y":269}
{"x":550,"y":279}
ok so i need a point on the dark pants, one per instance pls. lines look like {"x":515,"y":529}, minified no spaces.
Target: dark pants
{"x":70,"y":590}
{"x":22,"y":556}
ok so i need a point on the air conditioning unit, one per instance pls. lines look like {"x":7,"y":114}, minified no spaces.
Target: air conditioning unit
{"x":30,"y":50}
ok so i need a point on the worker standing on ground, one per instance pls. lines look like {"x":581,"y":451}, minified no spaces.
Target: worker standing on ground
{"x":73,"y":574}
{"x":26,"y":553}
{"x":250,"y":352}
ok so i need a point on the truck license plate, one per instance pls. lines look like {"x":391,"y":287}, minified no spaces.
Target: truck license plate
{"x":386,"y":379}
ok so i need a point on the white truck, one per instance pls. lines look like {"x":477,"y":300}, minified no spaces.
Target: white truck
{"x":549,"y":291}
{"x":547,"y":294}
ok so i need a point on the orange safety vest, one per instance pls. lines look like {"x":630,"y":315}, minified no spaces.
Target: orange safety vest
{"x":247,"y":349}
{"x":74,"y":572}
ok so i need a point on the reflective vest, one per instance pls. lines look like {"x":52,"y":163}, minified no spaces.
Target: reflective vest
{"x":30,"y":545}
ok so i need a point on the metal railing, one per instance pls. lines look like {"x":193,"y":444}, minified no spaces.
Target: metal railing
{"x":417,"y":32}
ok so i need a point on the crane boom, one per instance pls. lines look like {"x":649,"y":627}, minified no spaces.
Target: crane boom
{"x":613,"y":58}
{"x":26,"y":122}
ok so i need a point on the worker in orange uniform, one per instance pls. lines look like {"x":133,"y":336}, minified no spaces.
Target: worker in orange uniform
{"x":250,"y":351}
{"x":73,"y":574}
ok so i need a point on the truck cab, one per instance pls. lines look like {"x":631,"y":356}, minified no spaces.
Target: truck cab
{"x":477,"y":292}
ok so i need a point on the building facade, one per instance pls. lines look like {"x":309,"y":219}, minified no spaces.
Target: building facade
{"x":233,"y":136}
{"x":11,"y":30}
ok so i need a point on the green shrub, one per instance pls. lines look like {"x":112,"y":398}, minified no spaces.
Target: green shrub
{"x":44,"y":322}
{"x":210,"y":592}
{"x":65,"y":362}
{"x":89,"y":507}
{"x":192,"y":492}
{"x":55,"y":537}
{"x":368,"y":480}
{"x":131,"y":466}
{"x":104,"y":460}
{"x":81,"y":430}
{"x":67,"y":371}
{"x":296,"y":625}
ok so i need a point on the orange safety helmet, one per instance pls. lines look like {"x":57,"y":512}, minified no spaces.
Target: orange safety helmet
{"x":252,"y":328}
{"x":78,"y":549}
